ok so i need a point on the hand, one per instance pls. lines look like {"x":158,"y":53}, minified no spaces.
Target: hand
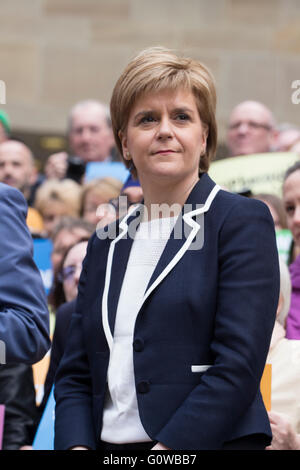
{"x":284,"y":436}
{"x":160,"y":446}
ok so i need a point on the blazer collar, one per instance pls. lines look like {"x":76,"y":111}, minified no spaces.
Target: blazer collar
{"x":183,"y":235}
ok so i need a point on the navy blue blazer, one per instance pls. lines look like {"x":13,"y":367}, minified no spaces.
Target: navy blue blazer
{"x":202,"y":333}
{"x":24,"y":316}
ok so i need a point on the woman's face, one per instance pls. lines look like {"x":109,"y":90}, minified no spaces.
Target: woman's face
{"x":63,"y":240}
{"x":72,"y":269}
{"x":165,"y":136}
{"x":92,"y":202}
{"x":291,"y":199}
{"x":52,"y":214}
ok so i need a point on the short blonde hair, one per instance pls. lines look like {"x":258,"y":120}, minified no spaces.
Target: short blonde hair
{"x":66,"y":192}
{"x":156,"y":69}
{"x":108,"y":188}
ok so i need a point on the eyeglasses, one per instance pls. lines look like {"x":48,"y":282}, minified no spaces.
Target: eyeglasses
{"x":251,"y":124}
{"x":68,"y":272}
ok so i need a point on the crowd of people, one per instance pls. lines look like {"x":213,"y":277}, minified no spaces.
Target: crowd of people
{"x":79,"y":191}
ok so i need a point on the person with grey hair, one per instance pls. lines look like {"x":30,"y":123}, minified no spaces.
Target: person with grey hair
{"x":284,"y":356}
{"x":251,"y":129}
{"x":89,"y":131}
{"x":90,"y":140}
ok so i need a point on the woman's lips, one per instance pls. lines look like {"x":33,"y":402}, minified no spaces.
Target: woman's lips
{"x":164,"y":151}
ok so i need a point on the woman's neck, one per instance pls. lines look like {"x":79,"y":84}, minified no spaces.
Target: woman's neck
{"x":166,"y":200}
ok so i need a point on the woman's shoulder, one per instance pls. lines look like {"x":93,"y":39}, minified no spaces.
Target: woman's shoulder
{"x":240,"y":205}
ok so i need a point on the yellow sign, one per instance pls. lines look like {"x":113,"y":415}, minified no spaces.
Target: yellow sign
{"x":266,"y":385}
{"x":260,"y":173}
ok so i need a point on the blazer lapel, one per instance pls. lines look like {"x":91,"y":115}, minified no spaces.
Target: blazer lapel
{"x":185,"y":231}
{"x":118,"y":255}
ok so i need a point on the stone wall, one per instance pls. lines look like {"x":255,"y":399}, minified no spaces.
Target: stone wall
{"x":56,"y":52}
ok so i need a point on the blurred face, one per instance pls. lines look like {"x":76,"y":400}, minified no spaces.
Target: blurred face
{"x":16,"y":166}
{"x":90,"y":136}
{"x":165,"y":136}
{"x":52,"y":214}
{"x":250,"y":130}
{"x":63,"y":240}
{"x":72,"y":269}
{"x":91,"y":203}
{"x":291,"y":199}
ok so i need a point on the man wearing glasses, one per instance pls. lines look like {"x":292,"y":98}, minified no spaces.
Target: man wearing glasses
{"x":251,"y":129}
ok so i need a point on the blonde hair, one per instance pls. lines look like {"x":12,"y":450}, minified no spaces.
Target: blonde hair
{"x":156,"y":69}
{"x":108,"y":188}
{"x":66,"y":192}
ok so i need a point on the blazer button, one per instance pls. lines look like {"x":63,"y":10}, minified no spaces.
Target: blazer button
{"x":138,"y":345}
{"x":143,"y":387}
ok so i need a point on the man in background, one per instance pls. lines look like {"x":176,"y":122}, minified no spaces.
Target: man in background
{"x":251,"y":129}
{"x":90,"y":139}
{"x":17,"y":169}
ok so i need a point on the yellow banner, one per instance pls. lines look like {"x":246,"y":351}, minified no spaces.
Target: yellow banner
{"x":260,"y":173}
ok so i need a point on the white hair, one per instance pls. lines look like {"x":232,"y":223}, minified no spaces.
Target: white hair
{"x":86,"y":103}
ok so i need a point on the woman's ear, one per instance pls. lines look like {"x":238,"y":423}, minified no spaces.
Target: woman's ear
{"x":204,"y":138}
{"x":123,"y":140}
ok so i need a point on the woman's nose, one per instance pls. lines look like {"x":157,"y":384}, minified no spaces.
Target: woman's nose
{"x":165,"y":129}
{"x":296,"y":218}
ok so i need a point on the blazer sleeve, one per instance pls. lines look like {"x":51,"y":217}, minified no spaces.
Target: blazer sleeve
{"x":248,"y":291}
{"x":74,"y":424}
{"x":24,"y":316}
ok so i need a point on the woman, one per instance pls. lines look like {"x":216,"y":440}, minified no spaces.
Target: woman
{"x":291,"y":200}
{"x":97,"y":192}
{"x":171,"y":331}
{"x":56,"y":199}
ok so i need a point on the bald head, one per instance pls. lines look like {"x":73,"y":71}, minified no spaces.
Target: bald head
{"x":17,"y":165}
{"x":251,"y":129}
{"x":90,"y":133}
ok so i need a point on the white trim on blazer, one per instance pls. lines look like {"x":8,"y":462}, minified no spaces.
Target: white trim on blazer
{"x":188,"y":218}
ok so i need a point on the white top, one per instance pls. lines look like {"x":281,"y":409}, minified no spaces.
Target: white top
{"x":285,"y":389}
{"x":121,"y":420}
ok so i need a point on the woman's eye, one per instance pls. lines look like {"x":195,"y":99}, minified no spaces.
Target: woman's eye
{"x":289,"y":209}
{"x":147,"y":119}
{"x":182,"y":117}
